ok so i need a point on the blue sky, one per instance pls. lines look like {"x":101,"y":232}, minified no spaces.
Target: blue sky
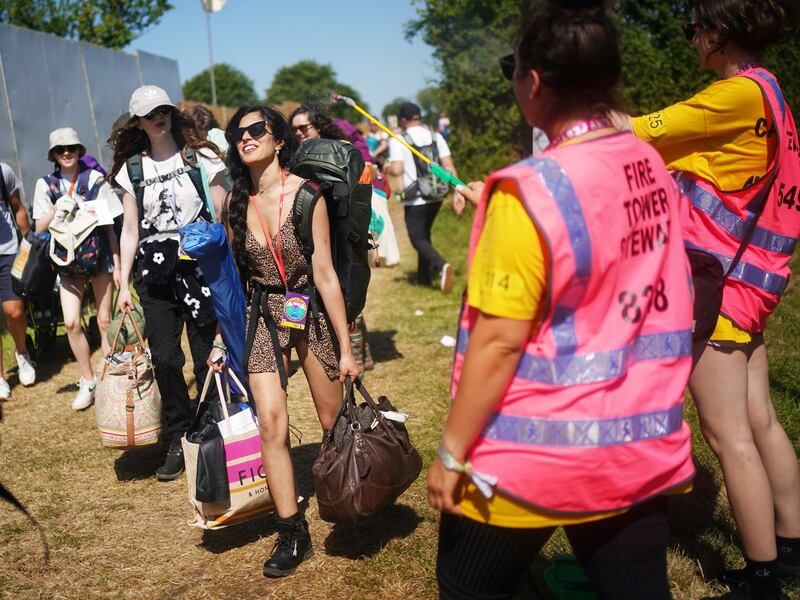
{"x":363,"y":41}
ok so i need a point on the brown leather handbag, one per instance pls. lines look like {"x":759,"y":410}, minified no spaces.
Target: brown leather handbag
{"x":366,"y":461}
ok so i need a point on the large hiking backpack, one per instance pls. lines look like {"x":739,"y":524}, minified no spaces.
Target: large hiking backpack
{"x":427,"y":185}
{"x":333,"y":170}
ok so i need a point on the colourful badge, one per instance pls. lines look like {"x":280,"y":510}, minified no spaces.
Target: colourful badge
{"x":295,"y":310}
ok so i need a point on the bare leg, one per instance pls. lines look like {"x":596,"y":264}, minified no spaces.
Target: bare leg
{"x":273,"y":425}
{"x":103,"y":287}
{"x":17,"y":323}
{"x":327,"y":394}
{"x":71,"y":292}
{"x":774,"y":446}
{"x":719,"y":386}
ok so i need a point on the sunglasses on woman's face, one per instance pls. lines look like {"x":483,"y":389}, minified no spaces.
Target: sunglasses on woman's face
{"x":160,"y":110}
{"x":302,"y":128}
{"x":256,"y":130}
{"x":61,"y":149}
{"x":507,"y":65}
{"x":690,"y":30}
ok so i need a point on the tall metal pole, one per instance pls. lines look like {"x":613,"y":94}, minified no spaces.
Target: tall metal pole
{"x":211,"y":60}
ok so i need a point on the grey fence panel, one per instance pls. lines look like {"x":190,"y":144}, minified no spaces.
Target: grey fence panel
{"x":48,"y":82}
{"x":68,"y":90}
{"x":162,"y":72}
{"x":8,"y":153}
{"x":112,"y":78}
{"x":27,"y":83}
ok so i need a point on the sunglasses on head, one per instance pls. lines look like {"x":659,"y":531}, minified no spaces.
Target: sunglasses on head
{"x":159,"y":110}
{"x":256,"y":130}
{"x":73,"y":148}
{"x":690,"y":30}
{"x":303,"y":128}
{"x":507,"y":65}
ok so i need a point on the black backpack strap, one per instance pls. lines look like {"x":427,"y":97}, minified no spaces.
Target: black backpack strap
{"x":136,"y":176}
{"x":421,"y":165}
{"x":4,"y":196}
{"x":305,"y":202}
{"x":196,"y":176}
{"x":259,"y":307}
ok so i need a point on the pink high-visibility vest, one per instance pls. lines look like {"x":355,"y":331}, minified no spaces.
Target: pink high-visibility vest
{"x":593,"y":419}
{"x":718,"y":220}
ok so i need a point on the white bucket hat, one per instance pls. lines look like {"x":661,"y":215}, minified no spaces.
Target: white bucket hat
{"x":65,"y":136}
{"x":146,"y":98}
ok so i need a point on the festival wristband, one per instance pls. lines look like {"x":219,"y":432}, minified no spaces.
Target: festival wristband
{"x":219,"y":346}
{"x":484,"y":483}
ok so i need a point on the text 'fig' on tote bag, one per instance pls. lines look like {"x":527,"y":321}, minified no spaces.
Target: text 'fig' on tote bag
{"x":222,"y":451}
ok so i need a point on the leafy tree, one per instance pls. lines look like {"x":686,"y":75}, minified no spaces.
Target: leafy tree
{"x":468,"y":36}
{"x":430,"y":101}
{"x":309,"y":81}
{"x":393,"y":107}
{"x":110,"y":23}
{"x":234,"y":88}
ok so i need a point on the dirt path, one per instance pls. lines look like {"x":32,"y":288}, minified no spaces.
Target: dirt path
{"x":114,"y":531}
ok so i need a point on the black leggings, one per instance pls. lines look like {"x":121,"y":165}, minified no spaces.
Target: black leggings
{"x":625,"y":557}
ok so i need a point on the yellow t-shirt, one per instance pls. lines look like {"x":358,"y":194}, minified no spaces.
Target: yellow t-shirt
{"x":721,"y":135}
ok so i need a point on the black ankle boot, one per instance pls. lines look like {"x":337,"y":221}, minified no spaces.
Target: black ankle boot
{"x":292,"y":547}
{"x":173,"y":465}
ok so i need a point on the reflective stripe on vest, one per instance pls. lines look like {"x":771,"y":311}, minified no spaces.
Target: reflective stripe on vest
{"x":566,"y":199}
{"x":726,"y":219}
{"x":748,"y":273}
{"x":577,"y":369}
{"x":585,"y":433}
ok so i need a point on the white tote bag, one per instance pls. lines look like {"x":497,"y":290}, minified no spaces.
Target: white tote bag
{"x":387,"y":254}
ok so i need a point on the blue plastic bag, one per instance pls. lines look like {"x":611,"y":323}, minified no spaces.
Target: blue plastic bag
{"x":208,"y":245}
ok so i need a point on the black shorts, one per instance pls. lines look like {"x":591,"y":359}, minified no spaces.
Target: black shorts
{"x":6,"y":289}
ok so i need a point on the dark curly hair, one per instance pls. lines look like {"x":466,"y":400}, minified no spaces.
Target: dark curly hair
{"x":572,"y":45}
{"x":750,"y":24}
{"x":235,"y":215}
{"x":320,"y":119}
{"x":128,"y":140}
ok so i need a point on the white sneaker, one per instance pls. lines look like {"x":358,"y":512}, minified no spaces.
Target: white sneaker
{"x":85,"y":396}
{"x":27,"y":374}
{"x":447,"y":278}
{"x":5,"y":390}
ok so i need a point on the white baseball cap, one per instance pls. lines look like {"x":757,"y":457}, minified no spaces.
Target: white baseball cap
{"x":146,"y":98}
{"x":65,"y":136}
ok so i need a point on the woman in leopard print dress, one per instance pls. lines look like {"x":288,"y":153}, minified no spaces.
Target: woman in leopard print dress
{"x":267,"y":250}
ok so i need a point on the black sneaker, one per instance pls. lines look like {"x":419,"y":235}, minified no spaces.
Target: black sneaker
{"x":173,"y":466}
{"x":292,"y":547}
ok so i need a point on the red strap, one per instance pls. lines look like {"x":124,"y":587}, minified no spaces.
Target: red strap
{"x":278,"y":257}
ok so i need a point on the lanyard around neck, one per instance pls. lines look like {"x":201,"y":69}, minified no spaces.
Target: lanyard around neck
{"x":581,"y":128}
{"x":74,"y":182}
{"x":277,"y":256}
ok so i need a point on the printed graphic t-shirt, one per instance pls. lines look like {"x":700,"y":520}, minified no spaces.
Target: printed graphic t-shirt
{"x":171,"y":204}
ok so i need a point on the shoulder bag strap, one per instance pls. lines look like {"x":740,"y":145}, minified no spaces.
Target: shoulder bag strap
{"x":136,"y":175}
{"x":759,"y":202}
